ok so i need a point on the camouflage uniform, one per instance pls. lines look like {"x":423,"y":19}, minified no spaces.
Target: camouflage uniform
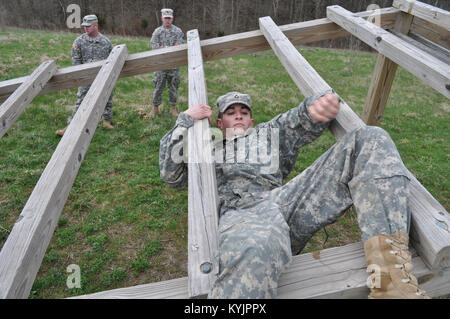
{"x":85,"y":50}
{"x":262,"y":222}
{"x":163,"y":38}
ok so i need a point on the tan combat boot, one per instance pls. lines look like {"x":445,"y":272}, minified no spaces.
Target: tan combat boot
{"x":154,"y":111}
{"x":61,"y":131}
{"x":107,"y":124}
{"x":389,"y":263}
{"x":173,"y":110}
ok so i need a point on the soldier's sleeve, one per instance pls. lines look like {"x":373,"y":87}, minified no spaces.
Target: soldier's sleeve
{"x":110,"y":46}
{"x":180,"y":37}
{"x":77,"y":58}
{"x":154,"y":42}
{"x":296,"y":129}
{"x":172,"y":153}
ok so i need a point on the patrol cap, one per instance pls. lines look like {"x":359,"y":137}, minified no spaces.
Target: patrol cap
{"x":225,"y":101}
{"x":167,"y":13}
{"x":89,"y":20}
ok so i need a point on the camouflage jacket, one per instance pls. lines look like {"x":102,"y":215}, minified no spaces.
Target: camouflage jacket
{"x":245,"y":165}
{"x":162,"y":37}
{"x":86,"y":49}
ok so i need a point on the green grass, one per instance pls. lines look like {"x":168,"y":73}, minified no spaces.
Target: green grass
{"x":121,"y":224}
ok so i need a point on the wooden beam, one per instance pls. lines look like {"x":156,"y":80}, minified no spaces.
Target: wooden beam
{"x":430,"y":226}
{"x":305,"y":76}
{"x":338,"y":272}
{"x":24,"y":249}
{"x":424,"y":11}
{"x":426,"y":67}
{"x":202,"y":188}
{"x":212,"y":49}
{"x":431,"y":32}
{"x":434,"y":240}
{"x":439,"y":52}
{"x":16,"y":103}
{"x":379,"y":89}
{"x":382,"y":79}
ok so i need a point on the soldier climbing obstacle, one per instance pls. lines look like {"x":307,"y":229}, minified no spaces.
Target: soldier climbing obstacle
{"x":263,"y":221}
{"x":166,"y":35}
{"x":89,"y":47}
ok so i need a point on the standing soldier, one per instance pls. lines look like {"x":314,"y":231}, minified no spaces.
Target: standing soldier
{"x":90,"y":47}
{"x":164,"y":36}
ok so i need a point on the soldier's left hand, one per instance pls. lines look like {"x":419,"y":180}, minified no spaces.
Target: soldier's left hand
{"x":325,"y":108}
{"x":200,"y":111}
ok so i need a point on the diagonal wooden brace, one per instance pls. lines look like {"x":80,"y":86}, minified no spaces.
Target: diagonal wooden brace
{"x":17,"y":102}
{"x":23,"y":251}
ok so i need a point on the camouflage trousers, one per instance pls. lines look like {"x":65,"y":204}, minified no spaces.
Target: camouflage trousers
{"x":172,"y":77}
{"x":256,"y":240}
{"x":82,"y":91}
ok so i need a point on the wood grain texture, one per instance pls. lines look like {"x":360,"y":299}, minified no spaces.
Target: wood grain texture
{"x":430,"y":227}
{"x":426,"y":45}
{"x":431,"y":31}
{"x":202,"y":188}
{"x":431,"y":222}
{"x":24,"y":249}
{"x":426,"y":67}
{"x":338,"y":272}
{"x":212,"y":49}
{"x":424,"y":11}
{"x":17,"y":102}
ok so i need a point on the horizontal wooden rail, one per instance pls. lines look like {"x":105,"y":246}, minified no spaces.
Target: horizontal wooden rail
{"x":24,"y":249}
{"x":431,"y":32}
{"x":338,"y":272}
{"x":203,"y":198}
{"x":426,"y":211}
{"x":424,"y":44}
{"x":424,"y":11}
{"x":17,"y":102}
{"x":212,"y":49}
{"x":426,"y":67}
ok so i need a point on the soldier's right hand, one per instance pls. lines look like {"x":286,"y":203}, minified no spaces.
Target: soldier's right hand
{"x":199,"y":112}
{"x":324,"y":108}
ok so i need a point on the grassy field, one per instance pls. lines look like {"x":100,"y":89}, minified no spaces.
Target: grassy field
{"x":121,"y":224}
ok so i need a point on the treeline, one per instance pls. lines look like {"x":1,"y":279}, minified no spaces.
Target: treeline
{"x":212,"y":18}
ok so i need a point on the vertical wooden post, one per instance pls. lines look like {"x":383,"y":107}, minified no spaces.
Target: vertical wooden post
{"x":382,"y":78}
{"x":202,"y":187}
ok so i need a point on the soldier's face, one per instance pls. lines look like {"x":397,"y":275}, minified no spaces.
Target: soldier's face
{"x":236,"y":120}
{"x":91,"y":30}
{"x":167,"y":21}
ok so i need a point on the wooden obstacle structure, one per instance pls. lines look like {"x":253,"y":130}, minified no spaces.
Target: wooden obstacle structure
{"x":410,"y":34}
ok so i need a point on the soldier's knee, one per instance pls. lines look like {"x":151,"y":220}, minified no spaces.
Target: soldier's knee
{"x":368,"y":133}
